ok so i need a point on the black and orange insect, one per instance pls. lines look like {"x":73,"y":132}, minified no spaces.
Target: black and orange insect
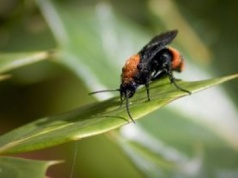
{"x":152,"y":62}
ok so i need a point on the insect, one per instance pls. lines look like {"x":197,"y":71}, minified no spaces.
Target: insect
{"x":152,"y":62}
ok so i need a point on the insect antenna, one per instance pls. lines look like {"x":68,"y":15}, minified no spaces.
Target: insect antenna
{"x":102,"y":91}
{"x":127,"y":108}
{"x":126,"y":98}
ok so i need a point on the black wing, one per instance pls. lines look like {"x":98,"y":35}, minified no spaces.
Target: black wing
{"x":155,"y":45}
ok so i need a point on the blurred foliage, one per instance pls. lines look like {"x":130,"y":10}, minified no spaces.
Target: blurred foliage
{"x":195,"y":137}
{"x":15,"y":167}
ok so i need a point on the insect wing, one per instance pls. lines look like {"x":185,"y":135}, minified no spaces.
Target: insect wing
{"x":155,"y":45}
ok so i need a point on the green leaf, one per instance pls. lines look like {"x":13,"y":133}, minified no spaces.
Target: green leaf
{"x":10,"y":61}
{"x":157,"y":162}
{"x":22,"y":168}
{"x":96,"y":118}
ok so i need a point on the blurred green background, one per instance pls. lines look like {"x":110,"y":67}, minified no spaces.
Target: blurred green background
{"x":194,"y":137}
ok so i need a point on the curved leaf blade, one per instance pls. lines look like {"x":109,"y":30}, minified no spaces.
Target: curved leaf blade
{"x":21,"y":168}
{"x":96,"y":118}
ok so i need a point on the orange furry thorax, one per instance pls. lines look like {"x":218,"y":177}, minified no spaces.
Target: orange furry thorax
{"x":130,"y":69}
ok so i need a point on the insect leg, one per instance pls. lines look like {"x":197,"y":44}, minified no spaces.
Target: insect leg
{"x":172,"y":80}
{"x":147,"y":91}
